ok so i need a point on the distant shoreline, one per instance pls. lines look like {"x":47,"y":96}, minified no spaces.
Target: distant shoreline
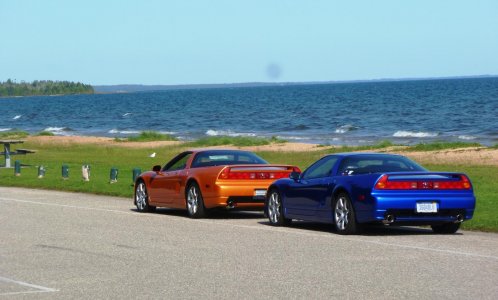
{"x":131,"y":88}
{"x":54,"y":95}
{"x":12,"y":88}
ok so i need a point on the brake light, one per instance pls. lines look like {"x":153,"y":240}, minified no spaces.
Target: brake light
{"x":228,"y":173}
{"x":465,"y":182}
{"x":381,"y":183}
{"x":385,"y":184}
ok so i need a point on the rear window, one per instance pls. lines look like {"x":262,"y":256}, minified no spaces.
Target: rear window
{"x":366,"y":164}
{"x":219,"y":158}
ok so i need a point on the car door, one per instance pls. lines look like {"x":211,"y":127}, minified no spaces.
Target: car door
{"x":307,"y":196}
{"x":164,"y":185}
{"x":176,"y":177}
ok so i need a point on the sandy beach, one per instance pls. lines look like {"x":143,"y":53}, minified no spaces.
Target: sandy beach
{"x":467,"y":156}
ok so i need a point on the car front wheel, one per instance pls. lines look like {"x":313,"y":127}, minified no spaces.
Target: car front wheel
{"x":275,"y":209}
{"x":142,"y":198}
{"x":344,"y":216}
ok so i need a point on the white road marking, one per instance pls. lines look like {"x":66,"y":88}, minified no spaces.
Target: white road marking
{"x":68,"y":206}
{"x":41,"y":289}
{"x":265,"y":228}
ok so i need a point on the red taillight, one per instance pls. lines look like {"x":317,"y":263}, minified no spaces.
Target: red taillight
{"x":462,"y":184}
{"x":224,"y":173}
{"x":385,"y":184}
{"x":228,"y":173}
{"x":465,"y":182}
{"x":381,"y":183}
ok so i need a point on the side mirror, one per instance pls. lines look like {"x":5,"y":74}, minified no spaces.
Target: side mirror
{"x":295,"y":176}
{"x":156,"y":168}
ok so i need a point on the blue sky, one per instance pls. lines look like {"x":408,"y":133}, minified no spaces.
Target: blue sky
{"x":192,"y":42}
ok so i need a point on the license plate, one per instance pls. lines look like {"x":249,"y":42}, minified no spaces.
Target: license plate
{"x":427,"y":207}
{"x":259,"y":193}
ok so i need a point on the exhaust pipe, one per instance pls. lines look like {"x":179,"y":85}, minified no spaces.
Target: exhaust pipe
{"x":388,"y":220}
{"x":459,"y":219}
{"x":230,"y":204}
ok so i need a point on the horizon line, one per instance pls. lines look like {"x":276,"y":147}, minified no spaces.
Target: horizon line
{"x":307,"y":82}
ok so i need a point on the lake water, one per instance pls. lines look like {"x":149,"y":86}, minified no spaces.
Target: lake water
{"x":405,"y":112}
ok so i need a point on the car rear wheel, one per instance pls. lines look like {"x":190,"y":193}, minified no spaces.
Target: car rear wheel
{"x":195,"y":203}
{"x":275,"y":209}
{"x":142,"y":198}
{"x":344,"y":216}
{"x":447,"y":228}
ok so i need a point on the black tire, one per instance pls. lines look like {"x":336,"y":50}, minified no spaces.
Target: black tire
{"x":142,"y":198}
{"x":194,"y":201}
{"x":344,"y":215}
{"x":275,"y":209}
{"x":447,"y":228}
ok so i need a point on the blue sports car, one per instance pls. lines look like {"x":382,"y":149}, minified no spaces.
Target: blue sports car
{"x":350,"y":190}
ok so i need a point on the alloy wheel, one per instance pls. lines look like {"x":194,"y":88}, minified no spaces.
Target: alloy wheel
{"x":274,"y":207}
{"x":341,"y":213}
{"x":141,"y":196}
{"x":192,"y":200}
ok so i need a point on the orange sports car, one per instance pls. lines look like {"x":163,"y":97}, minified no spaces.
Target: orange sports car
{"x":200,"y":180}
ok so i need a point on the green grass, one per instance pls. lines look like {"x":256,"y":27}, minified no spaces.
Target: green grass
{"x":45,"y":133}
{"x":149,"y":136}
{"x":484,"y":180}
{"x":240,"y":141}
{"x":14,"y":134}
{"x":102,"y":158}
{"x":441,"y":146}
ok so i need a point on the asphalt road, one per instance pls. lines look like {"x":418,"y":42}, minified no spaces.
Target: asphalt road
{"x":65,"y":245}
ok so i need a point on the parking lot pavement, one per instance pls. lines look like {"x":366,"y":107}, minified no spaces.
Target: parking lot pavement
{"x":67,"y":245}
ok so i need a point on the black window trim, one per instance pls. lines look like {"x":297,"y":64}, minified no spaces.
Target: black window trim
{"x":175,"y":160}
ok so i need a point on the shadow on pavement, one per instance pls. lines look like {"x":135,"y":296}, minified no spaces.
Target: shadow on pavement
{"x":214,"y":214}
{"x":371,"y":230}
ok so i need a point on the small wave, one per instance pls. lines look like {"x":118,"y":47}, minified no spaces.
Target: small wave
{"x":127,"y":114}
{"x":17,"y":117}
{"x":467,"y":137}
{"x":167,"y":132}
{"x":64,"y":131}
{"x":212,"y":132}
{"x":346,"y":128}
{"x":116,"y":131}
{"x":5,"y":129}
{"x":294,"y":138}
{"x":57,"y":129}
{"x":420,"y":134}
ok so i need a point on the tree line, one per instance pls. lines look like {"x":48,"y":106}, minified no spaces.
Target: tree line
{"x":43,"y":87}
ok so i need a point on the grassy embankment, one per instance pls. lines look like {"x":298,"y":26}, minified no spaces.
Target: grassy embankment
{"x":102,"y":158}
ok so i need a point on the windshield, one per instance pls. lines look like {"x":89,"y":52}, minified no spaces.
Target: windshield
{"x":366,"y":164}
{"x":226,"y":157}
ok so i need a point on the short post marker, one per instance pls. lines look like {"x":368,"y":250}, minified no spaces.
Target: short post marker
{"x":114,"y":175}
{"x":17,"y":168}
{"x":85,"y":172}
{"x":65,"y":172}
{"x":136,"y":173}
{"x":41,"y":172}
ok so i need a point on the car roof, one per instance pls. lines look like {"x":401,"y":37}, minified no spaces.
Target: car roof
{"x":214,"y":150}
{"x":346,"y":154}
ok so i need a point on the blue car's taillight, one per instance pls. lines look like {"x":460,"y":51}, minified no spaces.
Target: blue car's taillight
{"x":461,"y":183}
